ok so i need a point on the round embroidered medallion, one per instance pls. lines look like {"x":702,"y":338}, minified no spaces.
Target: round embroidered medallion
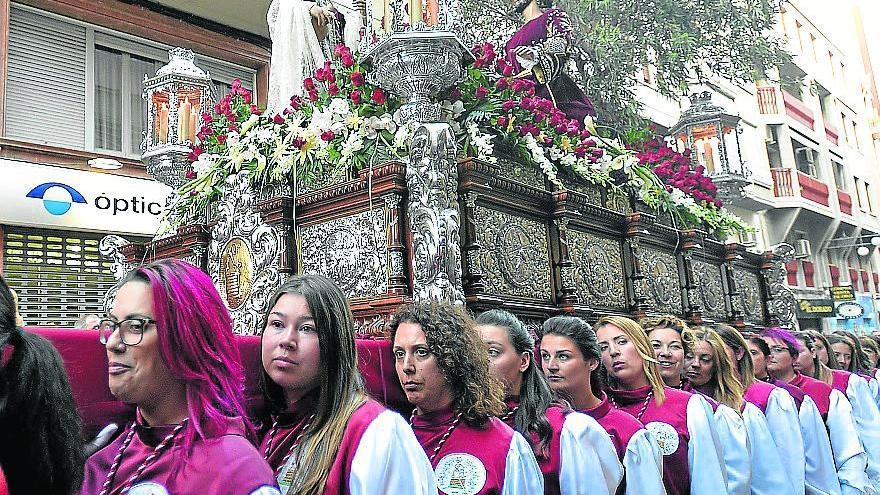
{"x":460,"y":474}
{"x":148,"y":488}
{"x":665,"y":436}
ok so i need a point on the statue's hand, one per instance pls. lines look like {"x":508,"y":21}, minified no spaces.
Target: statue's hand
{"x":322,"y":15}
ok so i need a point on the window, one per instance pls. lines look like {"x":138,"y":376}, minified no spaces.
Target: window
{"x":860,"y":194}
{"x":839,"y":176}
{"x":805,"y":158}
{"x":78,"y":86}
{"x":868,"y":204}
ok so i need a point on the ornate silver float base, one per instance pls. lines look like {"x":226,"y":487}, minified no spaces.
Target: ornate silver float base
{"x":432,"y":180}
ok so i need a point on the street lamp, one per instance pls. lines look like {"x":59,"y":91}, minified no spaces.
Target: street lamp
{"x":176,"y":98}
{"x":712,"y":135}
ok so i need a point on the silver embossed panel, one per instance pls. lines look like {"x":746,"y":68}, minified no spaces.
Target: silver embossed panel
{"x":515,"y":258}
{"x":352,"y":251}
{"x":661,"y":285}
{"x":599,"y":275}
{"x":749,"y":294}
{"x":707,"y":278}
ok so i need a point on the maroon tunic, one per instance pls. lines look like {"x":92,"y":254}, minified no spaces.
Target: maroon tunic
{"x":673,"y":412}
{"x":840,"y":380}
{"x":489,"y":443}
{"x":551,"y":462}
{"x":796,"y":393}
{"x":226,"y":464}
{"x":619,"y":425}
{"x":817,"y":390}
{"x":292,"y":423}
{"x":758,"y":394}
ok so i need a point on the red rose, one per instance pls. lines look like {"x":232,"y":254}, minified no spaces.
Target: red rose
{"x":333,"y":89}
{"x":328,"y":135}
{"x":503,"y":121}
{"x":207,"y":118}
{"x":299,"y":142}
{"x":195,"y":153}
{"x":255,"y":110}
{"x":221,"y":138}
{"x":320,"y":75}
{"x":331,"y":76}
{"x":295,"y":102}
{"x":502,"y":84}
{"x":190,"y":175}
{"x":278,"y":119}
{"x":481,"y":93}
{"x":347,"y":61}
{"x":357,"y":78}
{"x":378,"y":96}
{"x":309,"y":84}
{"x":246,"y":97}
{"x":356,"y":97}
{"x":313,"y":95}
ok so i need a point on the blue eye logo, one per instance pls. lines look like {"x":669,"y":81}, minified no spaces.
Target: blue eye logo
{"x":57,"y":197}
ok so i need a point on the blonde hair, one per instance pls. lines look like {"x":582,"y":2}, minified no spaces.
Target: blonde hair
{"x":728,"y":390}
{"x":671,"y":322}
{"x":643,"y":346}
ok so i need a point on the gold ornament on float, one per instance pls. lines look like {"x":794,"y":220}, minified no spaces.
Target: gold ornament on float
{"x":236,"y":272}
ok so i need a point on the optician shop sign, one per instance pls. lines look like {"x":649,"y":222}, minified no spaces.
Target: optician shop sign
{"x":56,"y":197}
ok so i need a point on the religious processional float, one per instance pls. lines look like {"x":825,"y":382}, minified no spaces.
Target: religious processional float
{"x":411,"y":167}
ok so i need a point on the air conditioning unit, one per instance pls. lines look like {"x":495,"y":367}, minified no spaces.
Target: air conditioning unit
{"x":802,"y":248}
{"x":748,"y":238}
{"x":807,"y":155}
{"x":769,"y":135}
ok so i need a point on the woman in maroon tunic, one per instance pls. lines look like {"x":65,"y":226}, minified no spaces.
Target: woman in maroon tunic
{"x":171,"y":353}
{"x":682,"y":423}
{"x":443,"y":366}
{"x":327,"y":437}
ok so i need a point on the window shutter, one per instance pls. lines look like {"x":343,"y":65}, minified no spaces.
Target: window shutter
{"x":46,"y":83}
{"x":225,"y":72}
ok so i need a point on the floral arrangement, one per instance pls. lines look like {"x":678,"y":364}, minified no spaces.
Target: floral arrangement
{"x":339,"y":125}
{"x":343,"y":122}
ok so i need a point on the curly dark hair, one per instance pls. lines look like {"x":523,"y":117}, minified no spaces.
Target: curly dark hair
{"x":461,"y":355}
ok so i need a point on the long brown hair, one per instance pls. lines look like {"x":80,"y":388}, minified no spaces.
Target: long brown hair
{"x":340,"y":389}
{"x":643,"y":346}
{"x":744,"y":365}
{"x":728,"y":390}
{"x":823,"y":371}
{"x":462,"y":356}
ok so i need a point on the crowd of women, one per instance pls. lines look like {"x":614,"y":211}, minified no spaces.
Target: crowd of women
{"x":618,"y":407}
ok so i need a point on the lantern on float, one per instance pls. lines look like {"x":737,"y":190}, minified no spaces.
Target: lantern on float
{"x":713,"y":136}
{"x":176,"y":97}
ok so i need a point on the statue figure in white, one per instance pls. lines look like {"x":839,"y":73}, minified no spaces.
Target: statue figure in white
{"x":303,"y":34}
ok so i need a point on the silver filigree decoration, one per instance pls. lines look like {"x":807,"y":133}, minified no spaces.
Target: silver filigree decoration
{"x":661,"y":284}
{"x":749,"y":290}
{"x":781,"y":302}
{"x":110,"y":247}
{"x":514,"y":256}
{"x":435,"y":221}
{"x":513,"y":169}
{"x":351,"y":251}
{"x":243,"y":256}
{"x":599,"y":275}
{"x":710,"y":288}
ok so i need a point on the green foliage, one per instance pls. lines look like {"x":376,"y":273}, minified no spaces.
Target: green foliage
{"x":684,"y":40}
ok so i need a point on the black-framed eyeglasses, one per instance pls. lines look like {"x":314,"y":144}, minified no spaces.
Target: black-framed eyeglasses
{"x":131,"y":330}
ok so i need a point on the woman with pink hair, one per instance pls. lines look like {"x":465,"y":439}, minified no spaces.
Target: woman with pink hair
{"x":171,"y":353}
{"x":843,"y":471}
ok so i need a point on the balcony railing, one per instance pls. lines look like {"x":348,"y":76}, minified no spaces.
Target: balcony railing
{"x":813,"y":189}
{"x":810,"y":188}
{"x":797,"y":110}
{"x":767,"y":100}
{"x":782,"y":182}
{"x":832,"y":133}
{"x":845,"y":201}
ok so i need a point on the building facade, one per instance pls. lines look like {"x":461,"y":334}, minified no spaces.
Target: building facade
{"x":810,"y":160}
{"x":72,"y":119}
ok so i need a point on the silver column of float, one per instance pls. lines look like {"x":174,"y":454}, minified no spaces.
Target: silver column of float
{"x":416,"y":65}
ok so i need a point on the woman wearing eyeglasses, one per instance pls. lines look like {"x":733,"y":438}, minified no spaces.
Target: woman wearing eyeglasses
{"x":836,"y":462}
{"x":570,"y":359}
{"x":171,"y":353}
{"x":681,"y":423}
{"x":778,"y":423}
{"x":326,"y":436}
{"x":443,"y":366}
